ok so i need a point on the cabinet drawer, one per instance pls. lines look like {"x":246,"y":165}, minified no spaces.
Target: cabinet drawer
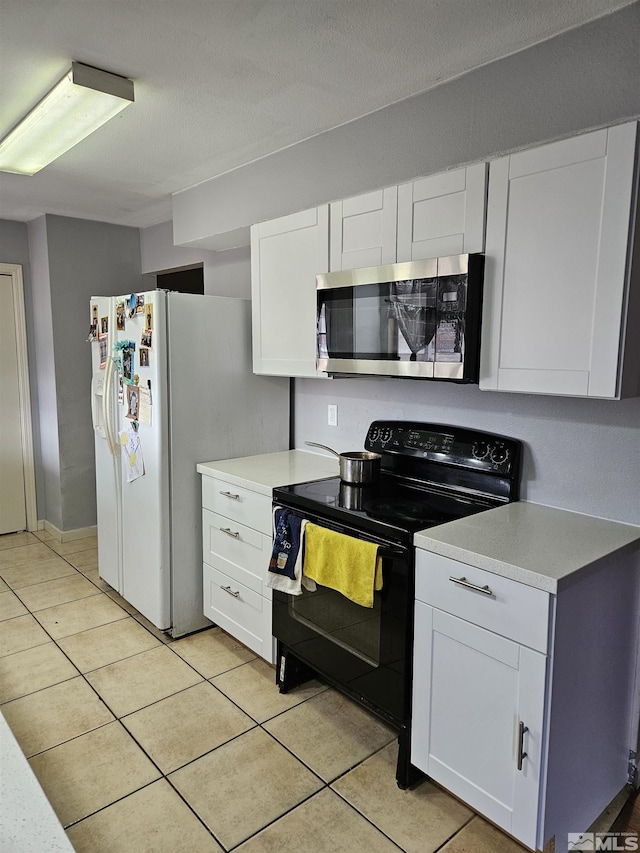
{"x":237,"y":503}
{"x":240,"y":551}
{"x":238,"y":610}
{"x":512,"y":609}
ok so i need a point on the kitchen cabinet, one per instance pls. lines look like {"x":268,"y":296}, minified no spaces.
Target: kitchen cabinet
{"x":557,"y":273}
{"x":479,"y":694}
{"x":525,"y":666}
{"x":442,"y":214}
{"x":236,"y":547}
{"x":428,"y":217}
{"x":363,"y":230}
{"x":286,"y":255}
{"x":237,"y":537}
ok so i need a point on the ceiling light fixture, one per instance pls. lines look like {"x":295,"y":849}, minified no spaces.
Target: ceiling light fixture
{"x":77,"y":105}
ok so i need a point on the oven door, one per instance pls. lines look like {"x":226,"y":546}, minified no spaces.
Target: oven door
{"x":363,"y":652}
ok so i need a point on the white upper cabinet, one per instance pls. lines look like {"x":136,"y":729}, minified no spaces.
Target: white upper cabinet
{"x":424,"y":218}
{"x":442,"y":214}
{"x":557,"y":267}
{"x":286,"y":255}
{"x":363,"y":230}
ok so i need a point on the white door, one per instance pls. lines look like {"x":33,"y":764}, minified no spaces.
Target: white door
{"x":286,"y":256}
{"x":478,"y":707}
{"x":12,"y":489}
{"x":556,"y":265}
{"x":363,"y":230}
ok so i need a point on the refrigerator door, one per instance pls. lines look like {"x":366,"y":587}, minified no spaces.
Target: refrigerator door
{"x":107,"y":451}
{"x":145,"y":498}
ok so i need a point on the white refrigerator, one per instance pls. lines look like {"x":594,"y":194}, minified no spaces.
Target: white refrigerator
{"x":172,"y":385}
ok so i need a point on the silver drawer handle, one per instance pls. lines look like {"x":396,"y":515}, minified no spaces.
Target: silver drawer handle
{"x":230,"y":532}
{"x":231,"y":495}
{"x":522,"y":730}
{"x":232,"y":592}
{"x":464,"y":582}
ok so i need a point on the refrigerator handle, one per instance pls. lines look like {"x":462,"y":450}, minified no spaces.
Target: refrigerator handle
{"x":94,"y":414}
{"x":114,"y":448}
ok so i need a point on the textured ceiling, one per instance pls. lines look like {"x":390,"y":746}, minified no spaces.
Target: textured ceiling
{"x":219,"y":83}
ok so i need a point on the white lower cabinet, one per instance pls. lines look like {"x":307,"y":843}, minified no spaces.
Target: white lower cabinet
{"x":236,"y":546}
{"x":478,"y":710}
{"x":524,"y":700}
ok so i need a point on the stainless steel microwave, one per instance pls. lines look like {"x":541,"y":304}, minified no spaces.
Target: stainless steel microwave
{"x":419,"y":319}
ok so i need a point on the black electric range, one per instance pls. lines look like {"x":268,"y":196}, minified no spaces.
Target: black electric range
{"x":430,"y":474}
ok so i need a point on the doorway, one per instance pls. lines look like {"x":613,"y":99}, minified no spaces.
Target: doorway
{"x":17,"y":494}
{"x":184,"y":281}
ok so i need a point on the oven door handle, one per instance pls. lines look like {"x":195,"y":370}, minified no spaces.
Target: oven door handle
{"x":392,"y":554}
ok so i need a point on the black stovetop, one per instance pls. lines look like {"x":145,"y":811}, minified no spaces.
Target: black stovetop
{"x":388,"y":508}
{"x":430,"y":474}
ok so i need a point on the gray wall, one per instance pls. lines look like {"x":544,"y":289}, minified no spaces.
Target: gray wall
{"x":66,"y":261}
{"x":225,"y":273}
{"x":582,"y":455}
{"x":158,"y":254}
{"x":85,"y":259}
{"x":228,"y":273}
{"x":585,"y":78}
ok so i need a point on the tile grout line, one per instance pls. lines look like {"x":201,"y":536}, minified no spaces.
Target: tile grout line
{"x":165,"y":776}
{"x":117,"y":719}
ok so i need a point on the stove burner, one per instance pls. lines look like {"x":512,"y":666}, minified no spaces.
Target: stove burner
{"x":403,"y":510}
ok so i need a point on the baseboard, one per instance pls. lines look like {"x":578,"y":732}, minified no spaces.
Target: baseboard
{"x":605,"y":821}
{"x":67,"y":535}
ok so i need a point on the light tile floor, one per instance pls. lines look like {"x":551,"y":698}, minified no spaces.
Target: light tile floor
{"x":144,"y":743}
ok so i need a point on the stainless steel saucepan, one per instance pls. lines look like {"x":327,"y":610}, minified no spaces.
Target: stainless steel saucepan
{"x":357,"y":467}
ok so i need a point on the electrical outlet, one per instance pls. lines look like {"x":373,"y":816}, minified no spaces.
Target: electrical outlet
{"x":332,"y":414}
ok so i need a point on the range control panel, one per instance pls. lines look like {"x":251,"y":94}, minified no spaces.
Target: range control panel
{"x":451,"y":445}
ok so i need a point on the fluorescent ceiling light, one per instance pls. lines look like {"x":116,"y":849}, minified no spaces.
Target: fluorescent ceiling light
{"x":80,"y":103}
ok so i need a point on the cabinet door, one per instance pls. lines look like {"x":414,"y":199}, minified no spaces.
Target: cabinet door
{"x":472,"y":690}
{"x":558,"y":221}
{"x":363,"y":230}
{"x":443,"y":214}
{"x":286,"y":256}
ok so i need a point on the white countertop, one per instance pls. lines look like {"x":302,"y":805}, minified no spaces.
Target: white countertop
{"x":28,"y":824}
{"x":264,"y":472}
{"x":537,"y":545}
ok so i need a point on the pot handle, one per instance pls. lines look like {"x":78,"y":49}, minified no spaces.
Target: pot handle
{"x":323,"y":447}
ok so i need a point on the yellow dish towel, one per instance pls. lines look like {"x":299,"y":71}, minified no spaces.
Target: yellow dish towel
{"x":348,"y":565}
